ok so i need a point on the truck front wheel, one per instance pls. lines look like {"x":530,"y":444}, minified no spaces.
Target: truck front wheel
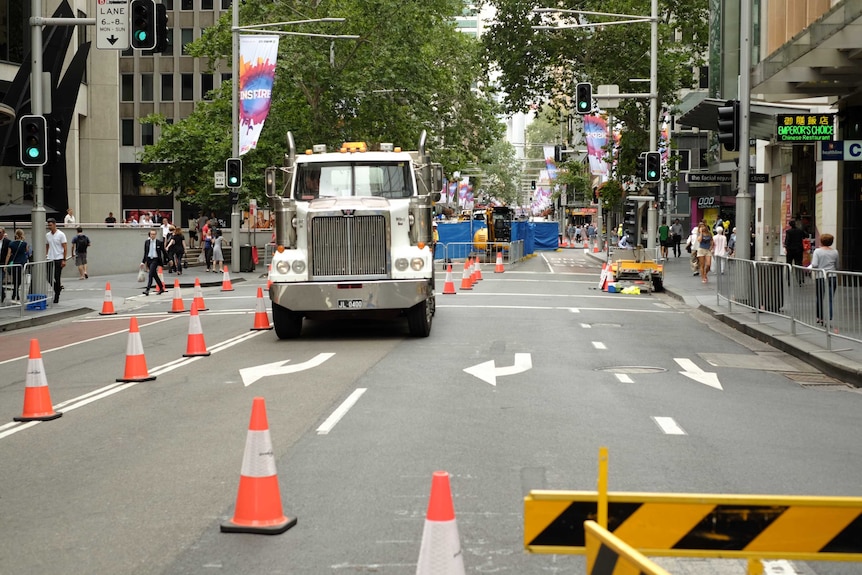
{"x":288,"y":324}
{"x":419,"y":318}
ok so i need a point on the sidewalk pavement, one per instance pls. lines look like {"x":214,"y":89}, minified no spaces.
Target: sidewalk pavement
{"x":843,"y":362}
{"x":80,"y":297}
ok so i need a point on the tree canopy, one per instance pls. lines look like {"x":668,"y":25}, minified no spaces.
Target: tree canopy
{"x":409,"y":70}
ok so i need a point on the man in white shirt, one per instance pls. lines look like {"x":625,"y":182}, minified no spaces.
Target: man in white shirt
{"x":55,"y":251}
{"x":69,"y":220}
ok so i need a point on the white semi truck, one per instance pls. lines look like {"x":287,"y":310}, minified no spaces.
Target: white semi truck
{"x":353,"y":236}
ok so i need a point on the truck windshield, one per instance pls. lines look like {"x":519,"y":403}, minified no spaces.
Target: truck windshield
{"x":342,"y":179}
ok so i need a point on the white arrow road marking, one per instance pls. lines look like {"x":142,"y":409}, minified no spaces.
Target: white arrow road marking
{"x":488,"y":371}
{"x":669,"y":426}
{"x":251,"y":374}
{"x":694,"y":372}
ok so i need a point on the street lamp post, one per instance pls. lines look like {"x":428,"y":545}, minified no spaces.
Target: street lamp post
{"x":235,"y":32}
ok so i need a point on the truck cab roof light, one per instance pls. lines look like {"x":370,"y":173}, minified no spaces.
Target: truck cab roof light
{"x":386,"y":147}
{"x":319,"y":148}
{"x":354,"y":147}
{"x":308,"y":152}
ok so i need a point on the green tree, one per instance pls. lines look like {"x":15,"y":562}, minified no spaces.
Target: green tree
{"x":540,"y":67}
{"x":409,"y":70}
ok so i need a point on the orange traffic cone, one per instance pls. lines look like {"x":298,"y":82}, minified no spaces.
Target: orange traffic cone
{"x":225,"y":282}
{"x":441,"y":549}
{"x":108,"y":304}
{"x":177,"y":305}
{"x":37,"y":398}
{"x":261,"y":319}
{"x":198,"y":302}
{"x":136,"y":363}
{"x":477,"y":269}
{"x":161,"y":275}
{"x":465,"y":276}
{"x":196,"y":345}
{"x":449,"y":286}
{"x":498,"y":268}
{"x":258,"y":502}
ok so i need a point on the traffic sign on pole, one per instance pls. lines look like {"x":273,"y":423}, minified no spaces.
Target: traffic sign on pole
{"x":112,"y":24}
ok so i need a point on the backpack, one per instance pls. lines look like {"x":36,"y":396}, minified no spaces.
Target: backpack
{"x":81,"y":243}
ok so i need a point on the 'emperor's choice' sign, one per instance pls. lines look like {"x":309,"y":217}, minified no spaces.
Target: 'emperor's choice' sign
{"x":806,"y":127}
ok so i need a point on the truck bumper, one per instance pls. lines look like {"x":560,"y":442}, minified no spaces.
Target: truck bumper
{"x":350,"y":296}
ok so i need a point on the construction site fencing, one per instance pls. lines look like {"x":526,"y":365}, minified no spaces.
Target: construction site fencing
{"x":459,"y":251}
{"x":34,"y":289}
{"x":826,"y":304}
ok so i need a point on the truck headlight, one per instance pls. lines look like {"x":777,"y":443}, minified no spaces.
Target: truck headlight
{"x":299,"y":266}
{"x":401,"y":264}
{"x":417,"y":264}
{"x":282,"y":266}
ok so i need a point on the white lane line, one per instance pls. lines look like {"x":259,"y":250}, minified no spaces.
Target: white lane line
{"x":547,"y":263}
{"x":669,"y":426}
{"x":586,"y":326}
{"x":624,"y":378}
{"x":340,"y":411}
{"x":599,"y":345}
{"x":111,"y":389}
{"x":79,"y":342}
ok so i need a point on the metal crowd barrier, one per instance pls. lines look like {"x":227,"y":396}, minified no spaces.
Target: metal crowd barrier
{"x":34,"y":289}
{"x":460,"y":251}
{"x":809,"y":300}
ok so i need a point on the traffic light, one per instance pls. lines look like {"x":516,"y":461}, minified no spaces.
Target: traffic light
{"x":234,"y":198}
{"x":163,"y":33}
{"x":653,"y":167}
{"x":584,"y":98}
{"x":233,"y":169}
{"x":558,"y":154}
{"x":143,"y":24}
{"x":728,"y":125}
{"x":532,"y":184}
{"x":630,"y":216}
{"x":640,"y":166}
{"x":34,"y":140}
{"x":55,"y":139}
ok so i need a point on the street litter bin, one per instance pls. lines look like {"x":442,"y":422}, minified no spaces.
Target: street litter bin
{"x":770,"y":285}
{"x":246,"y":263}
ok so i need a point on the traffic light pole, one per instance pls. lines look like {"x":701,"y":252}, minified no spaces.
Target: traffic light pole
{"x":37,"y":215}
{"x":653,"y":114}
{"x":743,"y":197}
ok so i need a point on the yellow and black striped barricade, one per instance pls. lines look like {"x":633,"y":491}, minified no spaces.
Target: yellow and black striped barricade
{"x":701,"y":525}
{"x":607,"y":554}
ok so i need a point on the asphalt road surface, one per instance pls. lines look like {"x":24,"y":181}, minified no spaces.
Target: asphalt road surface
{"x":136,"y":478}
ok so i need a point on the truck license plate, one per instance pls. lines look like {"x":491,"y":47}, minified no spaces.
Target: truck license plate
{"x":349,"y":303}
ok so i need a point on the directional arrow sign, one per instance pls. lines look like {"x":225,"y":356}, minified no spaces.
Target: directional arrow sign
{"x":488,"y":371}
{"x":694,"y":372}
{"x":251,"y":374}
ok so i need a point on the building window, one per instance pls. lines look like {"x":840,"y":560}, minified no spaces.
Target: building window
{"x":187,"y":5}
{"x":12,"y":26}
{"x":187,"y":87}
{"x":146,"y":87}
{"x":146,"y":134}
{"x":187,"y":36}
{"x":167,"y":87}
{"x":703,"y":78}
{"x":169,"y":4}
{"x":226,"y":77}
{"x":225,"y":4}
{"x":206,"y":86}
{"x":127,"y":126}
{"x":206,"y":4}
{"x":127,"y":88}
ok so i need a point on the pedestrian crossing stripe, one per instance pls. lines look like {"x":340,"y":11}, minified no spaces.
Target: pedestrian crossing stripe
{"x":610,"y":555}
{"x":701,"y":525}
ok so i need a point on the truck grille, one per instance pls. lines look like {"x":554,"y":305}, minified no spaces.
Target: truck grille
{"x":342,"y":246}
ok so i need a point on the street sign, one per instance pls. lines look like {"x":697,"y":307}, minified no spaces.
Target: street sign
{"x":24,"y":175}
{"x":758,"y":178}
{"x":709,"y":178}
{"x":112,"y":24}
{"x":812,"y":528}
{"x":219,"y":180}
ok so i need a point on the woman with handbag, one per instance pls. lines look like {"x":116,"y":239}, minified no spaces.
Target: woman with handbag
{"x":17,"y":255}
{"x":704,"y":250}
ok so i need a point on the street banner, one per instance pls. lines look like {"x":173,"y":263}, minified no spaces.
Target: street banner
{"x":257,"y":56}
{"x":596,"y":135}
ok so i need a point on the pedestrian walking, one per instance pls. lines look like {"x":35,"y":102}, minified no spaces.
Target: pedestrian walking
{"x":110,"y":220}
{"x":676,"y":236}
{"x":720,"y":249}
{"x":154,"y":256}
{"x":17,"y":256}
{"x":705,"y":245}
{"x":664,"y":239}
{"x":55,"y":251}
{"x":208,"y":248}
{"x":794,"y":247}
{"x":218,"y":257}
{"x":4,"y":256}
{"x":69,"y":220}
{"x":691,"y":248}
{"x":825,"y":259}
{"x":80,"y":243}
{"x":176,"y":249}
